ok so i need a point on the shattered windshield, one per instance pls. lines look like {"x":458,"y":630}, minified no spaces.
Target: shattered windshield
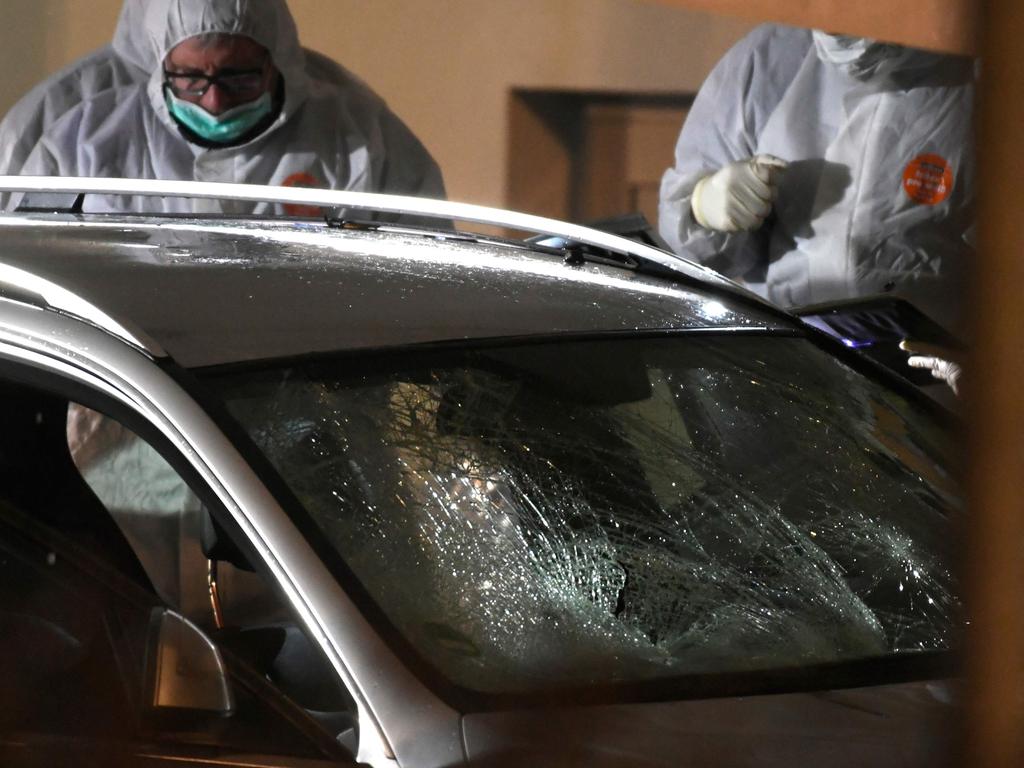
{"x":591,"y":512}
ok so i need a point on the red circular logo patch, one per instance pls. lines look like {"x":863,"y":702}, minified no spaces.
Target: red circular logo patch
{"x":305,"y":180}
{"x":928,"y":179}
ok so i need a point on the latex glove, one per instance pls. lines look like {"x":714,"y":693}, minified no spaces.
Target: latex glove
{"x":739,"y":196}
{"x":939,"y":360}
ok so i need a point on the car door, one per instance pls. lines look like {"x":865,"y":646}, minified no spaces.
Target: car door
{"x":101,"y":664}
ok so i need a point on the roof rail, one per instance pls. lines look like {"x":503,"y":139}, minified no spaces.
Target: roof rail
{"x":370,"y":202}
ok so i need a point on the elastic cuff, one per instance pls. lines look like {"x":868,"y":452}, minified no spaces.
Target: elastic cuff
{"x":695,"y":203}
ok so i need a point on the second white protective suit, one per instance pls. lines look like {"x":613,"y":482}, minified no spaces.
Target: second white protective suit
{"x":878,"y":192}
{"x":332,"y":131}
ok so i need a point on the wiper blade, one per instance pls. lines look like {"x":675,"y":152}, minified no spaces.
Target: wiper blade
{"x":632,"y":226}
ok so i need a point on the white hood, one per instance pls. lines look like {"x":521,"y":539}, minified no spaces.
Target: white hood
{"x":129,"y":42}
{"x":147,"y":40}
{"x":866,"y":59}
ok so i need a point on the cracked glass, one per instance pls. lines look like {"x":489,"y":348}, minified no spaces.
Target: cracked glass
{"x":575,"y":513}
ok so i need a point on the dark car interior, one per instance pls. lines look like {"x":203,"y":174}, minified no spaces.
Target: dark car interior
{"x":76,"y":603}
{"x":56,"y":628}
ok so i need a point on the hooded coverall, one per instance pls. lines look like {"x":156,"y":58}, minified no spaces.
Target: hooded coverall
{"x":878,"y":195}
{"x":331,"y":132}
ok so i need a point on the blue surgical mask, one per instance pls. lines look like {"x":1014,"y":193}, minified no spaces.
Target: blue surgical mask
{"x":224,"y":128}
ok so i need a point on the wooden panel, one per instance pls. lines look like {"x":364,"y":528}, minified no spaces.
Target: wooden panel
{"x":585,"y":155}
{"x":605,"y":186}
{"x":944,"y":25}
{"x":651,"y":141}
{"x":540,"y":161}
{"x":995,"y":529}
{"x":627,"y":149}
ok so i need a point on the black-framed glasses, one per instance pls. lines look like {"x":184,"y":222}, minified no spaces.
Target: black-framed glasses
{"x":195,"y":85}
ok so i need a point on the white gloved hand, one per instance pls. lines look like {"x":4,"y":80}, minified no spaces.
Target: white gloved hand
{"x":739,"y":196}
{"x":942,"y":368}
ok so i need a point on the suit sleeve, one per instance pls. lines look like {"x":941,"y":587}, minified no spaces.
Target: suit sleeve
{"x":408,"y":168}
{"x":722,"y":127}
{"x":41,"y":161}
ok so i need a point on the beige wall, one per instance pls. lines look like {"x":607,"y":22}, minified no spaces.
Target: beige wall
{"x":25,"y":40}
{"x":446,"y":66}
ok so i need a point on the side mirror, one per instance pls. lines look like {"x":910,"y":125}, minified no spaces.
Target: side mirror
{"x":184,"y":669}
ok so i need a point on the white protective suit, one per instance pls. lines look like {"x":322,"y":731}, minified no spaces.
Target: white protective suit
{"x":109,"y":67}
{"x":878,"y":195}
{"x":332,"y":130}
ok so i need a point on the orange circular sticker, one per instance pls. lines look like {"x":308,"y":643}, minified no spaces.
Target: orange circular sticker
{"x":308,"y":181}
{"x":928,"y":179}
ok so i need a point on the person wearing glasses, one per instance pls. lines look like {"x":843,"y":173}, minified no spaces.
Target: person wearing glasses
{"x":221,"y":89}
{"x":229,"y":95}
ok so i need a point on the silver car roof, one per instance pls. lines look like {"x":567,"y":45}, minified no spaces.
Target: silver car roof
{"x":224,"y":291}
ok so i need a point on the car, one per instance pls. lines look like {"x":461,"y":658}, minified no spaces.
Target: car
{"x":366,"y":487}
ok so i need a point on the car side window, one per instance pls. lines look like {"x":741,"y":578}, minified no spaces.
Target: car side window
{"x":102,"y":571}
{"x":162,"y":518}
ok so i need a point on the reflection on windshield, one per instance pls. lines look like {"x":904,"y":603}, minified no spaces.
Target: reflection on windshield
{"x":617,"y":511}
